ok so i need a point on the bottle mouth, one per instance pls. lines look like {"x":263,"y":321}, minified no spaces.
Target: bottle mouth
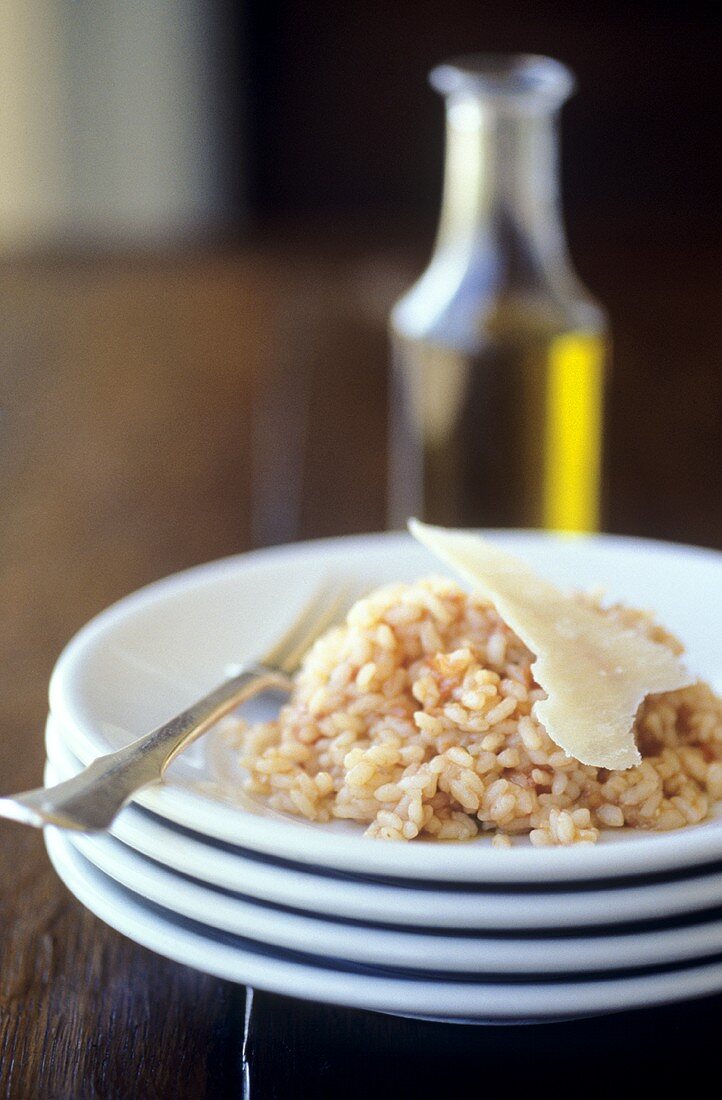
{"x":521,"y":79}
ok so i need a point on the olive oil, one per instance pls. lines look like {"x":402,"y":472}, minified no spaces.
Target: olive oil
{"x":510,"y":437}
{"x":499,"y":354}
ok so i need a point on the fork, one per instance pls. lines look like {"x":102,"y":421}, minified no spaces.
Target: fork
{"x":90,"y":801}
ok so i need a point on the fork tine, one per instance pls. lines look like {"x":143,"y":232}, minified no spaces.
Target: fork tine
{"x":327,"y":616}
{"x":298,"y":626}
{"x":318,"y":614}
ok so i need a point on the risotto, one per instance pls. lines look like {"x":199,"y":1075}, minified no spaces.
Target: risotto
{"x":415,"y":719}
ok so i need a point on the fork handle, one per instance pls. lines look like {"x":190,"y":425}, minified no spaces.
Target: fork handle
{"x":90,"y":800}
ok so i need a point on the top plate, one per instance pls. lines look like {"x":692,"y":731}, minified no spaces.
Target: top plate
{"x":153,"y":653}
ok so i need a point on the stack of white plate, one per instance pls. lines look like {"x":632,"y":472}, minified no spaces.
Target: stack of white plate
{"x":459,"y":932}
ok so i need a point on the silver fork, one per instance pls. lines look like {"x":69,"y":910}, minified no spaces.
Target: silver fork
{"x":90,"y":801}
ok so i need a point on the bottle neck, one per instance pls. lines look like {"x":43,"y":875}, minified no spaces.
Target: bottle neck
{"x":501,"y":196}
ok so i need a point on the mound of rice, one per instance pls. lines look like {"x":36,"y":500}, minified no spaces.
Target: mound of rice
{"x":415,"y":719}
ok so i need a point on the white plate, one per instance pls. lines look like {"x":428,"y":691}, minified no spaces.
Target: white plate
{"x":466,"y":907}
{"x":472,"y":954}
{"x":218,"y":954}
{"x":151,"y":654}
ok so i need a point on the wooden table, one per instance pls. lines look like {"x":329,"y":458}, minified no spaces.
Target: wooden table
{"x":132,"y":393}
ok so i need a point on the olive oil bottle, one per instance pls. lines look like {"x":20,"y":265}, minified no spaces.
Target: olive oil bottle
{"x":499,"y":354}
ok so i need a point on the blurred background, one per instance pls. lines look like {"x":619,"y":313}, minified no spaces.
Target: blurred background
{"x":207,"y":210}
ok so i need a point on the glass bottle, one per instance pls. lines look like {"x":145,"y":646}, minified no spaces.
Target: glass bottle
{"x":499,"y":354}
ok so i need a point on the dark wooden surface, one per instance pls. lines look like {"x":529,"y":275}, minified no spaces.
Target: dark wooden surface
{"x":305,"y":1051}
{"x":143,"y":431}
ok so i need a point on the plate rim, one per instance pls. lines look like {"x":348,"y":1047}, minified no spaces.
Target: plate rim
{"x":127,"y":915}
{"x":480,"y":953}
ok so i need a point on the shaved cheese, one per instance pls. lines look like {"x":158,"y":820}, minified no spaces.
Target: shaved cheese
{"x":594,"y":670}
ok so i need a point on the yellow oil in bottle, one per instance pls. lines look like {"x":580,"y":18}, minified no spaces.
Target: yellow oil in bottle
{"x":510,"y":436}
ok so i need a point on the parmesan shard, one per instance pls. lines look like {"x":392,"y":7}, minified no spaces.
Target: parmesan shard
{"x":594,"y":671}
